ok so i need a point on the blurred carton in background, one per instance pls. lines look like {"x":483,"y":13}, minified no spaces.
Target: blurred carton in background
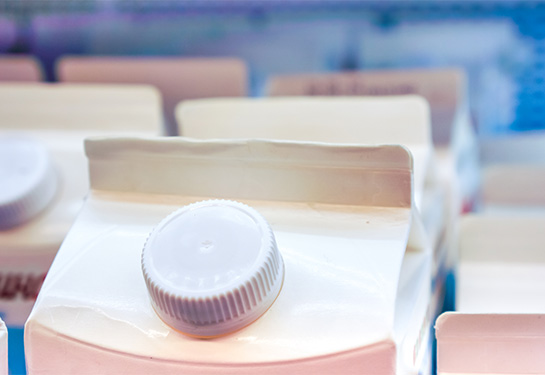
{"x":48,"y":124}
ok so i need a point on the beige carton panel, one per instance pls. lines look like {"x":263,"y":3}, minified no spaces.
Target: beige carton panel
{"x":89,"y":108}
{"x":254,"y":169}
{"x":444,"y":89}
{"x":399,"y":120}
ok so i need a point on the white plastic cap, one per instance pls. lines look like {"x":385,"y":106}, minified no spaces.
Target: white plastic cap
{"x":212,"y":268}
{"x":28,"y":181}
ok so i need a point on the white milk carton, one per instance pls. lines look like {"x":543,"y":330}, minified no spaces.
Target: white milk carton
{"x":44,"y":176}
{"x":340,"y":120}
{"x":3,"y":349}
{"x":131,"y":286}
{"x":176,"y":78}
{"x":499,"y":328}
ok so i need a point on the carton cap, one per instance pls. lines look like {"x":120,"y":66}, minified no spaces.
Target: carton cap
{"x":212,"y":267}
{"x":29,"y":181}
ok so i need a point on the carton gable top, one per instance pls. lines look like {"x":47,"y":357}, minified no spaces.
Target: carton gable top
{"x":86,"y":107}
{"x":254,"y":169}
{"x":444,"y":89}
{"x":354,"y":120}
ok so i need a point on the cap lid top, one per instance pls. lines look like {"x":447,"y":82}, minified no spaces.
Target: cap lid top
{"x":212,"y":267}
{"x":28,"y":179}
{"x":205,"y":249}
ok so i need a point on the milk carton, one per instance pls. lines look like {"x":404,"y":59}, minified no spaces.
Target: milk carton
{"x":176,"y":78}
{"x":498,"y":328}
{"x":3,"y":349}
{"x":356,"y":270}
{"x":340,"y":120}
{"x":45,"y":179}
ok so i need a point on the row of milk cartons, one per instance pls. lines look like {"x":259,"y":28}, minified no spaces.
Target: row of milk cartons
{"x":277,"y":234}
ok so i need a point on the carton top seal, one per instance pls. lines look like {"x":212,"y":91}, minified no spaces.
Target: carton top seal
{"x":445,"y":89}
{"x":253,"y":169}
{"x":91,"y":108}
{"x":344,"y":119}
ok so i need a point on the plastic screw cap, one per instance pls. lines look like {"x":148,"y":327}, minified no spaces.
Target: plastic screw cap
{"x":212,"y":268}
{"x":28,"y":181}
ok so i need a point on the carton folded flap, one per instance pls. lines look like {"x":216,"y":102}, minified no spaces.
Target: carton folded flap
{"x":254,"y":169}
{"x":85,"y":107}
{"x":356,"y":120}
{"x":490,"y":343}
{"x":444,"y":89}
